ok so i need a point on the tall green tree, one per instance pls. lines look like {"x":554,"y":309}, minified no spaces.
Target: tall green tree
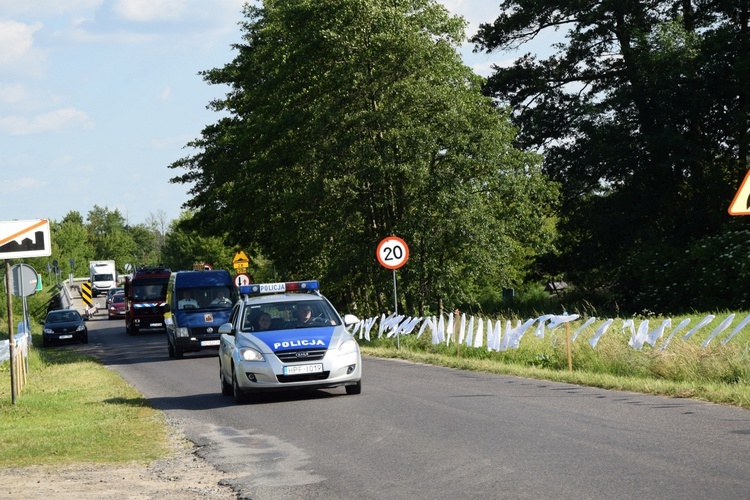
{"x":351,"y":120}
{"x":184,"y":247}
{"x":70,"y":241}
{"x":642,"y":114}
{"x":109,"y":237}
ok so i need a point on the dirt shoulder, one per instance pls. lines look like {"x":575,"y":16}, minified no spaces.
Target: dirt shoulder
{"x":182,"y":475}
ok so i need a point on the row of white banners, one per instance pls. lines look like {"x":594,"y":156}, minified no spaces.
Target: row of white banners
{"x":472,"y":331}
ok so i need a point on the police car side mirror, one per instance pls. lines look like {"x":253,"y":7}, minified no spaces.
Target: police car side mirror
{"x":350,"y":319}
{"x":226,"y":329}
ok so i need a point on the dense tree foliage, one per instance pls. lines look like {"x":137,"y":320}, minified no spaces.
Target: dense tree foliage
{"x":184,"y":248}
{"x":642,"y":115}
{"x":351,"y":120}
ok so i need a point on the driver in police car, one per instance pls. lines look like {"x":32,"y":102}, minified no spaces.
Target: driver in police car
{"x":305,"y":318}
{"x":304,"y":315}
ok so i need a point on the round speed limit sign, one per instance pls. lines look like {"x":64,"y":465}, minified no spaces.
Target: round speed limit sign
{"x":392,"y":252}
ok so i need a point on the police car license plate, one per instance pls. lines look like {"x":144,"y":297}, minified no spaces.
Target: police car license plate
{"x":302,"y":369}
{"x":209,"y":342}
{"x":65,"y":337}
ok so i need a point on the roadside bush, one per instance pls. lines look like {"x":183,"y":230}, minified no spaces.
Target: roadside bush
{"x":707,"y":275}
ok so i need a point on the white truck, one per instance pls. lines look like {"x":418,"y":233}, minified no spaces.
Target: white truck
{"x":103,"y":274}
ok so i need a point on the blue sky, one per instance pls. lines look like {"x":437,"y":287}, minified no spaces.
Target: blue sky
{"x":98,"y":97}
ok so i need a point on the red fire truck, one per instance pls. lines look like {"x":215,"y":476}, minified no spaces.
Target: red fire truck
{"x":146,"y":296}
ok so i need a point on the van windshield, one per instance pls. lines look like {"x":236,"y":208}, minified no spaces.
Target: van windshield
{"x":207,"y":297}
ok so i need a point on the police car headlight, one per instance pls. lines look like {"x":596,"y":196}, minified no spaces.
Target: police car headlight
{"x":348,"y":347}
{"x":183,"y":332}
{"x":250,"y":354}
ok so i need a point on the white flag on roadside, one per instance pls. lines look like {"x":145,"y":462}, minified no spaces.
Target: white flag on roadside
{"x":709,"y":318}
{"x":723,"y":326}
{"x":599,"y":332}
{"x":658,"y":332}
{"x":737,"y":329}
{"x":682,"y":325}
{"x":583,"y":326}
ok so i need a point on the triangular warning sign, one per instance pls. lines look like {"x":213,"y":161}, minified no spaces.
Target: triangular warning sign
{"x":741,"y":203}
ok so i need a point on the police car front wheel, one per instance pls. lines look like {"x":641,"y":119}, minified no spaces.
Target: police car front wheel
{"x":226,"y":388}
{"x":240,"y":397}
{"x":354,"y":389}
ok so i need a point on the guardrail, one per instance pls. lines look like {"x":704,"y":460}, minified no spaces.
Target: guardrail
{"x":23,"y":340}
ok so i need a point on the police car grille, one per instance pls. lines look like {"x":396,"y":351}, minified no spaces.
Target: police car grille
{"x":302,"y":378}
{"x":301,"y":356}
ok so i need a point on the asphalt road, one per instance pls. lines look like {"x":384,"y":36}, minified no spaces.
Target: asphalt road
{"x":424,"y":432}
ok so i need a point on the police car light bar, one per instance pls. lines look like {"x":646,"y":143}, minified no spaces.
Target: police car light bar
{"x":290,"y":286}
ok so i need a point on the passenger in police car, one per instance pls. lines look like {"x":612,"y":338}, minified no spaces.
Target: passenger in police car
{"x":264,"y":322}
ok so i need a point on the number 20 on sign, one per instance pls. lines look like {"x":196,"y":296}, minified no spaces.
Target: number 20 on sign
{"x":392,"y":252}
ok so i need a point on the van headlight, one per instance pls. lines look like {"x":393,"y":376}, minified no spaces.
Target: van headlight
{"x":183,"y":332}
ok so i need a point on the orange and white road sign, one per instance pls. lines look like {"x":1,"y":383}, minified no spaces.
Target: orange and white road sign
{"x":25,"y":238}
{"x":741,"y":203}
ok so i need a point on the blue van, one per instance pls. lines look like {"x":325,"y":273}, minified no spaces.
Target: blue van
{"x":198,"y":302}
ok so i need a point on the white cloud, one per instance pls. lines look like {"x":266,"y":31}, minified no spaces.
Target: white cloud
{"x":120,"y":37}
{"x":172,"y":10}
{"x":61,"y":120}
{"x":171,"y":143}
{"x":62,"y":161}
{"x":166,"y":94}
{"x":150,"y":10}
{"x":474,"y":12}
{"x":16,"y":41}
{"x":14,"y":93}
{"x":46,"y":7}
{"x":22,"y":97}
{"x":14,"y":186}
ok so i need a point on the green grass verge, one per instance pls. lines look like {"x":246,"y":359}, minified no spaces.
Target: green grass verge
{"x":74,"y":410}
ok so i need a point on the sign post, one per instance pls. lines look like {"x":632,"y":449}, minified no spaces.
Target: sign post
{"x":392,"y":253}
{"x":11,"y":339}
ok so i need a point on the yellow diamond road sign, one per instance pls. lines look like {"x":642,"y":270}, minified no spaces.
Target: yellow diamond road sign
{"x":240,"y":260}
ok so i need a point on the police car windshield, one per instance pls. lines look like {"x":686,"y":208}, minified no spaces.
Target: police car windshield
{"x":288,"y":315}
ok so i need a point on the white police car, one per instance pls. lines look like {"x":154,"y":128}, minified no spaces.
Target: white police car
{"x":287,"y":336}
